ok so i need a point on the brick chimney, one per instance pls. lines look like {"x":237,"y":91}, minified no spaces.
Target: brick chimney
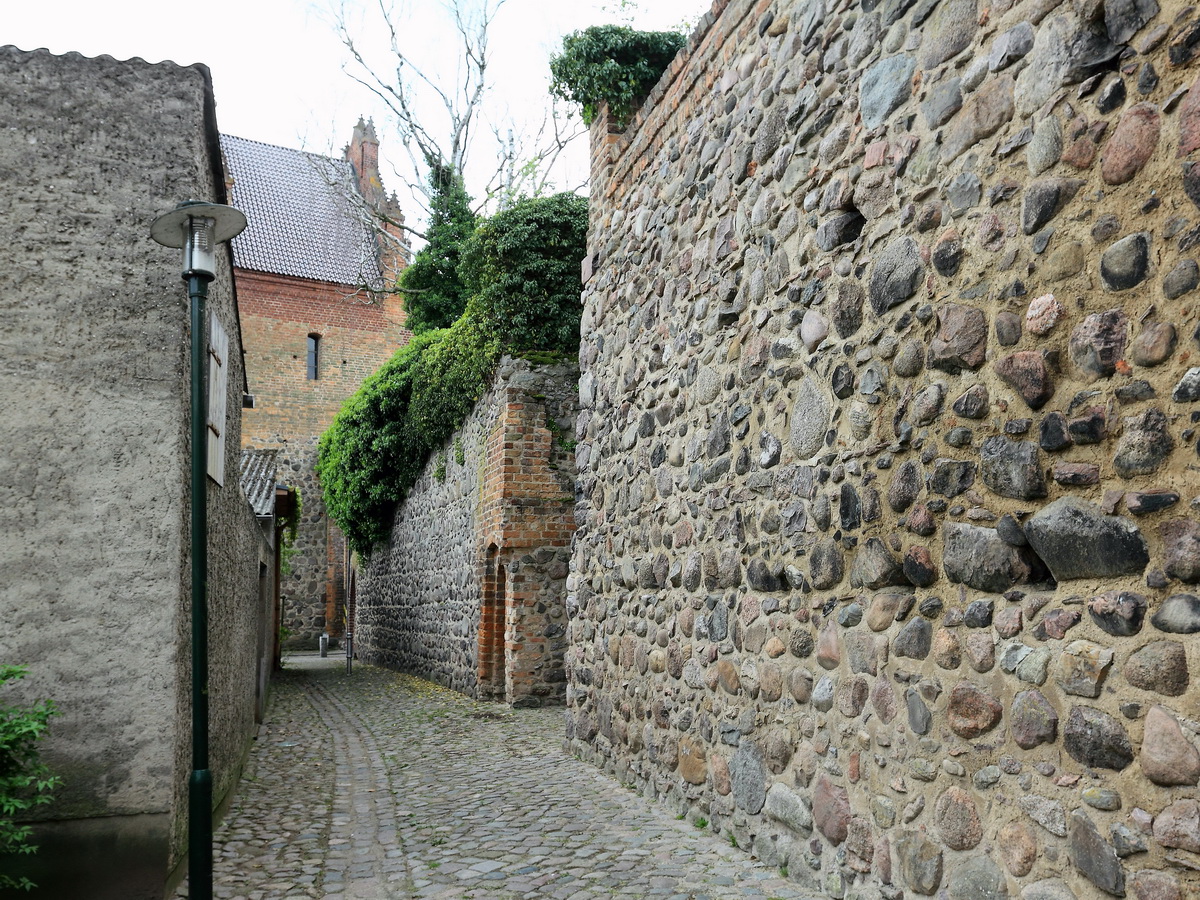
{"x":363,"y":154}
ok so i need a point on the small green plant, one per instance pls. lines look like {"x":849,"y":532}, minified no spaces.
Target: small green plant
{"x":783,"y":871}
{"x":559,"y":437}
{"x":439,"y":466}
{"x":611,"y":64}
{"x":700,"y":822}
{"x":290,"y":526}
{"x":681,"y":817}
{"x":733,"y":840}
{"x":460,"y":455}
{"x":25,"y":782}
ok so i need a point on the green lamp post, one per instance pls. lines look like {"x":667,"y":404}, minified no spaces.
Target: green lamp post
{"x":197,"y":227}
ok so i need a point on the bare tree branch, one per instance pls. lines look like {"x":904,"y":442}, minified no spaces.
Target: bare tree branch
{"x":405,"y":80}
{"x":437,"y":120}
{"x":527,"y":166}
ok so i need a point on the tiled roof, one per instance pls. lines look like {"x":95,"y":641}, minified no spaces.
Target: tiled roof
{"x":301,"y":221}
{"x":258,"y":480}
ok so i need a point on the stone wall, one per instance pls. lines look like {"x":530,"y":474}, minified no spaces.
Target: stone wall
{"x":469,"y":590}
{"x":888,"y":532}
{"x":94,"y":481}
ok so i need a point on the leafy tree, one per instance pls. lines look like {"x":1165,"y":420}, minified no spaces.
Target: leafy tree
{"x":522,"y":269}
{"x":434,"y":295}
{"x":25,"y":782}
{"x":612,"y":64}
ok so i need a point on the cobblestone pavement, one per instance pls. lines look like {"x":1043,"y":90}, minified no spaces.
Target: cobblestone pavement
{"x":380,"y":785}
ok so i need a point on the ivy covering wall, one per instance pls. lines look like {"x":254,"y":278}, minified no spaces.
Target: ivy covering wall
{"x":612,"y":64}
{"x":522,"y":269}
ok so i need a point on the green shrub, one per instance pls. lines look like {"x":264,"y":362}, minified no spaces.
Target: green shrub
{"x":522,"y":267}
{"x":374,"y":450}
{"x":613,"y":64}
{"x":370,"y":450}
{"x":25,"y":782}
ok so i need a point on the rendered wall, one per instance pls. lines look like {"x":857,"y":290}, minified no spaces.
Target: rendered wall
{"x":358,"y":335}
{"x":94,"y":416}
{"x":504,"y":503}
{"x":886,"y":558}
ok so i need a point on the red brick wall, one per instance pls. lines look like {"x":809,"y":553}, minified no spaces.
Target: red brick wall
{"x":526,"y":513}
{"x":358,"y":334}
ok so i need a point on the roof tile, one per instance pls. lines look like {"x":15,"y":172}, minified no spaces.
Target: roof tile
{"x":258,"y":480}
{"x":302,"y":214}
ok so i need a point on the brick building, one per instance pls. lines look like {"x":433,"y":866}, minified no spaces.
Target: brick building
{"x":312,"y":269}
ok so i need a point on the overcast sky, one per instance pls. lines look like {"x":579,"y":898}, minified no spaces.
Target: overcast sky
{"x":277,"y":65}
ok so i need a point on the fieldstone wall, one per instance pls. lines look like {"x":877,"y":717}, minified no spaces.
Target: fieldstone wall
{"x":308,"y":581}
{"x":888,"y":532}
{"x":498,"y":498}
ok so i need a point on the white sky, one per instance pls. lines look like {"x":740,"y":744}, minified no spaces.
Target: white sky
{"x":277,"y":65}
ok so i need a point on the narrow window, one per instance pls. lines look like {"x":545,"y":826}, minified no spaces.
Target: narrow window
{"x":314,"y":356}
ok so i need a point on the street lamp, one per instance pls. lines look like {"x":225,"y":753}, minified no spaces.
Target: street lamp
{"x":197,"y":228}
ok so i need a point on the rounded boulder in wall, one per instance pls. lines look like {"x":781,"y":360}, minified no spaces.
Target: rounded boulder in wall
{"x":810,"y":419}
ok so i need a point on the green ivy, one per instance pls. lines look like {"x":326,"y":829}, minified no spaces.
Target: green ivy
{"x":612,"y":64}
{"x":25,"y":782}
{"x":522,"y":267}
{"x":378,"y":442}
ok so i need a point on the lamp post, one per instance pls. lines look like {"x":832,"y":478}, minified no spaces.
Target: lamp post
{"x":197,"y":228}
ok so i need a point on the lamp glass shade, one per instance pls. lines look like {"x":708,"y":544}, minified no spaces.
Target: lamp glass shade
{"x":199,"y":255}
{"x":197,"y":228}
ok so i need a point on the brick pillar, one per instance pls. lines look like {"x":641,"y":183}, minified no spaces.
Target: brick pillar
{"x":524,"y":523}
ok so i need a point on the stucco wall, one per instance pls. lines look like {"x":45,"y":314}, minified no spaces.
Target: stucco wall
{"x":94,"y":482}
{"x":504,"y":502}
{"x":888,"y":534}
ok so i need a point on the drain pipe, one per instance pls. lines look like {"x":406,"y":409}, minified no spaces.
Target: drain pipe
{"x":349,"y":651}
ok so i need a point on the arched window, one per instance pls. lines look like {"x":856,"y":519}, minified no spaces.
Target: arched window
{"x":492,"y":676}
{"x":314,"y":356}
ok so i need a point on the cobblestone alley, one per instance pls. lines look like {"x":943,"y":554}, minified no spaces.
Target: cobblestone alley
{"x":380,"y":785}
